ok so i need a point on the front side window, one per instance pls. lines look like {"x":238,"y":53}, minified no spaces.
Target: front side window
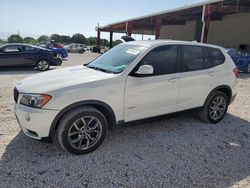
{"x":163,"y":59}
{"x":192,"y":58}
{"x":117,"y":59}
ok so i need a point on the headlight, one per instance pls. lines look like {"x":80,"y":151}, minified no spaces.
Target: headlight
{"x":35,"y":100}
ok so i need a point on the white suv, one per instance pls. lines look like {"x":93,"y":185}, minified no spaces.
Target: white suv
{"x":132,"y":81}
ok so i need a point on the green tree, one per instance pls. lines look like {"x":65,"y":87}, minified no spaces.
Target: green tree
{"x":78,"y":38}
{"x":43,"y":38}
{"x":65,"y":39}
{"x":29,"y":40}
{"x":55,"y":37}
{"x":15,"y":38}
{"x":91,"y":41}
{"x":1,"y":41}
{"x":104,"y":42}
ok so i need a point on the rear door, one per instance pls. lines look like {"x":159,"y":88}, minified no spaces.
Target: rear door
{"x":28,"y":54}
{"x":198,"y":77}
{"x":155,"y":94}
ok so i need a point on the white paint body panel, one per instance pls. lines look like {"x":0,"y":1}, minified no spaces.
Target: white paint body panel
{"x":131,"y":98}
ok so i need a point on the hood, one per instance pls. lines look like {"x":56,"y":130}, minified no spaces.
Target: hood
{"x":60,"y":78}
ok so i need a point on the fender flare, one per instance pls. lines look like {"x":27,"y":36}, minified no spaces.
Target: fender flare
{"x":220,"y":88}
{"x":110,"y":113}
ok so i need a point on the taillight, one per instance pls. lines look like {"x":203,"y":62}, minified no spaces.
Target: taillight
{"x":236,"y":72}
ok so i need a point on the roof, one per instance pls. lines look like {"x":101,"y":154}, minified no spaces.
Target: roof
{"x":165,"y":12}
{"x":14,"y":44}
{"x":151,"y":43}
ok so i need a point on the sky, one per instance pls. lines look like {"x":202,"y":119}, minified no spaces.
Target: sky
{"x":66,"y":17}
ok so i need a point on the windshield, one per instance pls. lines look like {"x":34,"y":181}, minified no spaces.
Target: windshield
{"x":117,"y":59}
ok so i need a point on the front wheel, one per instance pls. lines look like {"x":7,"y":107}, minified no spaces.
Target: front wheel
{"x":42,"y":65}
{"x":248,"y":68}
{"x":82,"y":130}
{"x":215,"y":107}
{"x":60,"y":55}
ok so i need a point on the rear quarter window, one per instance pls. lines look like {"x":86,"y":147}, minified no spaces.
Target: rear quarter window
{"x":217,"y":57}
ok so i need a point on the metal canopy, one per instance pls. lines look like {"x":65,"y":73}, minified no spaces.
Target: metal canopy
{"x":211,"y":10}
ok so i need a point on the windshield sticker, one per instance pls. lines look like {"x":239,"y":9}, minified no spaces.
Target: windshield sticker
{"x":132,"y":51}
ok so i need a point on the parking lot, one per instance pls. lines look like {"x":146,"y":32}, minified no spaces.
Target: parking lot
{"x":171,"y":151}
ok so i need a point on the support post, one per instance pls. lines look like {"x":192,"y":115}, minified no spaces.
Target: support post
{"x":98,"y":40}
{"x":157,"y":27}
{"x":111,"y":39}
{"x":129,"y":28}
{"x":206,"y":18}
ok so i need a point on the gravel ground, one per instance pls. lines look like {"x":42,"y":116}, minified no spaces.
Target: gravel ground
{"x":171,"y":151}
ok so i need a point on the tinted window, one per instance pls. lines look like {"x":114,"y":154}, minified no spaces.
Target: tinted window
{"x":10,"y":49}
{"x":43,"y":45}
{"x":217,"y":56}
{"x":207,"y":60}
{"x":163,"y":59}
{"x":29,"y":48}
{"x":241,"y":53}
{"x":192,"y":58}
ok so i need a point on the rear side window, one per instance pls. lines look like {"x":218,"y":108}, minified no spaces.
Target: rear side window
{"x":192,"y":58}
{"x":163,"y":59}
{"x":216,"y":56}
{"x":29,"y":48}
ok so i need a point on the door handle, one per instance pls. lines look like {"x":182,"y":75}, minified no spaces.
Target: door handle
{"x":173,"y":79}
{"x":211,"y":73}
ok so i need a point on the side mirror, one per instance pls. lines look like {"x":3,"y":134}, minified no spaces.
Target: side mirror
{"x":145,"y":70}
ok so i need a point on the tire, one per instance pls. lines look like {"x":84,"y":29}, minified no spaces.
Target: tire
{"x":42,"y":65}
{"x":81,"y":51}
{"x":60,"y":55}
{"x":82,"y":130}
{"x":215,"y":105}
{"x":248,"y":68}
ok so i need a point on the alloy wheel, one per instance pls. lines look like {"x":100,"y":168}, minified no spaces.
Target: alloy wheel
{"x":43,"y":65}
{"x":217,"y":108}
{"x":85,"y":132}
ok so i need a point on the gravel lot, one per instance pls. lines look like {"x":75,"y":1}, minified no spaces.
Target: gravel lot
{"x":170,"y":151}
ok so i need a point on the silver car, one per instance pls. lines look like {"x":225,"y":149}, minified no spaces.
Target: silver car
{"x":75,"y":48}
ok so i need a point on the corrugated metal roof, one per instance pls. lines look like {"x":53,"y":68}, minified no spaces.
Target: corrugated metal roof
{"x":165,"y":12}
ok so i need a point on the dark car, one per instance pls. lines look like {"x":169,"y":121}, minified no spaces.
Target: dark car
{"x":241,"y":59}
{"x":13,"y":55}
{"x":62,"y":52}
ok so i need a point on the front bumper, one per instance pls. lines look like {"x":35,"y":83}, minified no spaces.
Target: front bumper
{"x":56,"y":61}
{"x":35,"y":123}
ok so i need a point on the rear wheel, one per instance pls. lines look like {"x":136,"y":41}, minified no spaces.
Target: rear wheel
{"x":215,"y":107}
{"x":82,"y":130}
{"x":42,"y":65}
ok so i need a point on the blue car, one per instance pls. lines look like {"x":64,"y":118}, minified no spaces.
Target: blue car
{"x":240,"y":58}
{"x":62,"y":52}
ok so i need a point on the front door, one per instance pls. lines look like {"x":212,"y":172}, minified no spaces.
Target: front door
{"x":154,"y":94}
{"x":10,"y":56}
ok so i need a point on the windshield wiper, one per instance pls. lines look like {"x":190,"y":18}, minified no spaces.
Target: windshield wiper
{"x":98,"y":68}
